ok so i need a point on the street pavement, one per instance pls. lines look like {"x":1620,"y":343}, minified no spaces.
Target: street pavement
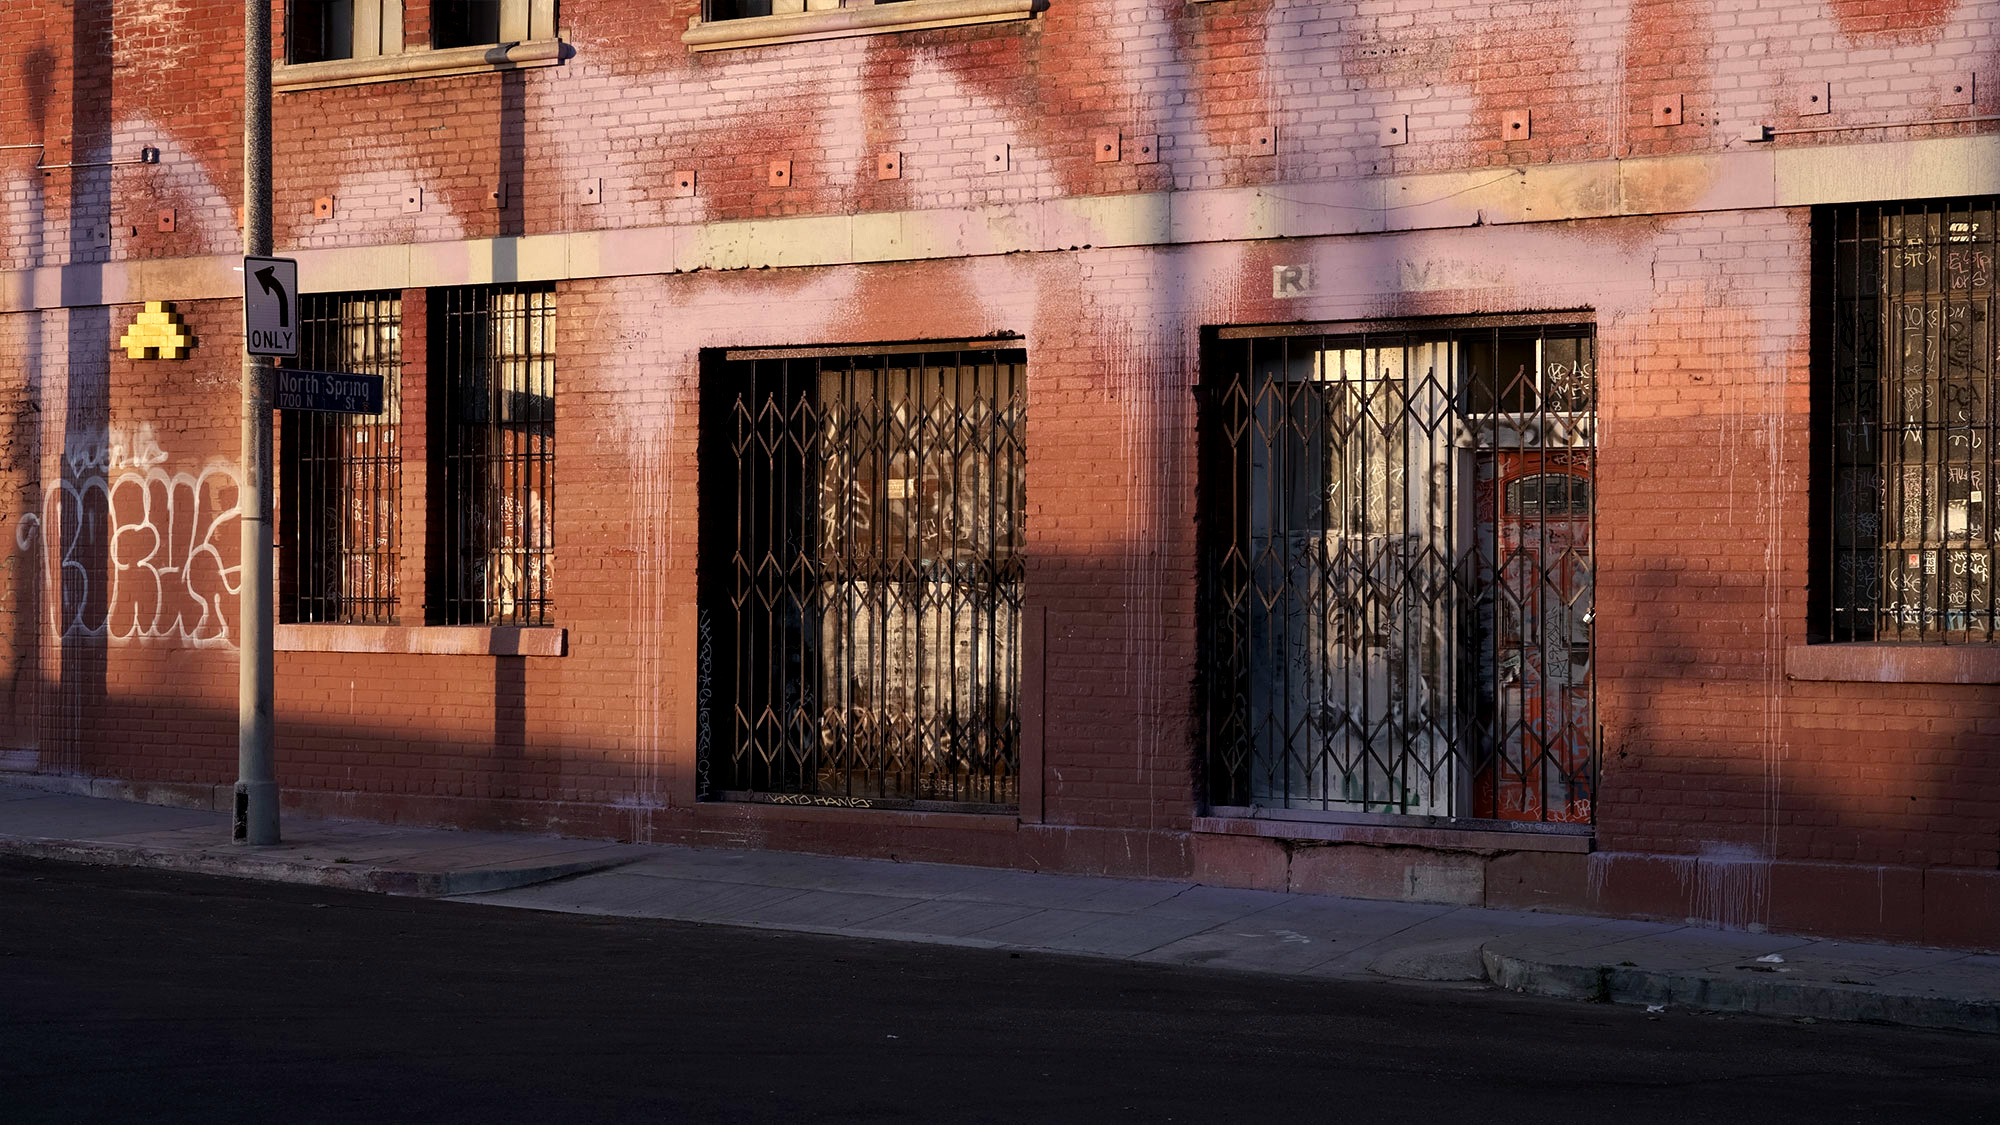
{"x":129,"y":994}
{"x":1663,"y":966}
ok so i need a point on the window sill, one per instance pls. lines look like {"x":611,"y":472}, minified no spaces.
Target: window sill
{"x":429,"y":640}
{"x":840,"y":23}
{"x":1894,"y":664}
{"x":1481,"y":835}
{"x":419,"y":64}
{"x":711,"y":813}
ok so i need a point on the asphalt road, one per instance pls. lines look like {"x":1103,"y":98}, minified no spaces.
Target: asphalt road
{"x":137,"y":996}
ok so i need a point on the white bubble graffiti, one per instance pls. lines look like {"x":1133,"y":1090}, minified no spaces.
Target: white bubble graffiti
{"x":131,"y":552}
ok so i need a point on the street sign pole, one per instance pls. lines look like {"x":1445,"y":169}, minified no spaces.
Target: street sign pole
{"x":256,"y":819}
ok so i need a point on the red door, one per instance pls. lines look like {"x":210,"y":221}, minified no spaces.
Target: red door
{"x":1539,"y":647}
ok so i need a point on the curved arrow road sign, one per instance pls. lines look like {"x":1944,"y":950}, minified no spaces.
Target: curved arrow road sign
{"x":270,"y":300}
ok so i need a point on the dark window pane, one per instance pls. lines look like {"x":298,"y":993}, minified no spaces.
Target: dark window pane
{"x":464,"y":23}
{"x":735,"y":9}
{"x":318,"y":30}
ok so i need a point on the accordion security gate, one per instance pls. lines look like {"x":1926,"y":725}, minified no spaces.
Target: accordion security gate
{"x":1398,"y":572}
{"x":1911,"y":428}
{"x":862,"y":523}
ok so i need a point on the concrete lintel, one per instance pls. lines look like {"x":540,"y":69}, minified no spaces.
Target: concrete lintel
{"x":1222,"y":215}
{"x":1334,"y":207}
{"x":349,"y":268}
{"x":1917,"y":169}
{"x":1107,"y":220}
{"x":1894,"y":663}
{"x":808,"y":240}
{"x":620,"y":253}
{"x":1727,"y":181}
{"x":1451,"y":199}
{"x":1552,"y":192}
{"x":878,"y":237}
{"x":1764,"y":177}
{"x":432,"y":640}
{"x":488,"y":261}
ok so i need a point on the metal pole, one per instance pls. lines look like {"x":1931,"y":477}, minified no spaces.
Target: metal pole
{"x":256,"y":820}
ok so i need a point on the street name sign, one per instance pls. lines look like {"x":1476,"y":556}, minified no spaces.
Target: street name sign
{"x":271,"y":306}
{"x":330,"y":392}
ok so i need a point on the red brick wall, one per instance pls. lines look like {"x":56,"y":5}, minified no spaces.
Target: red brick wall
{"x":633,"y":105}
{"x":1712,"y":755}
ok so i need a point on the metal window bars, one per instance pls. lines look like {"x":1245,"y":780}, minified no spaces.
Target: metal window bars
{"x":1909,"y":426}
{"x":495,"y":355}
{"x":343,"y":474}
{"x":1398,"y":570}
{"x":862,"y":574}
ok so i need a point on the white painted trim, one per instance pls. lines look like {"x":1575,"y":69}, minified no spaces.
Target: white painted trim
{"x":419,"y":63}
{"x":432,"y":640}
{"x":1763,"y":178}
{"x":841,"y":23}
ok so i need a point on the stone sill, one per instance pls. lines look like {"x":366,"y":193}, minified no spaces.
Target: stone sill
{"x":427,"y":640}
{"x":714,"y":815}
{"x":1894,"y":664}
{"x":481,"y":59}
{"x":1286,"y":824}
{"x":840,"y":23}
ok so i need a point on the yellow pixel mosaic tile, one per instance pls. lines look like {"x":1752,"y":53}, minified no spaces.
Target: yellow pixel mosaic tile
{"x":158,"y":330}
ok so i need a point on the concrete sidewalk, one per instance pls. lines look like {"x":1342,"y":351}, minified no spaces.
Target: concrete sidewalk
{"x":1140,"y":920}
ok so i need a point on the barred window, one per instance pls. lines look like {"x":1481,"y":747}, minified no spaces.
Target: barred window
{"x":1398,"y":571}
{"x":862,"y":525}
{"x":1906,"y":421}
{"x":494,"y":355}
{"x":342,"y":473}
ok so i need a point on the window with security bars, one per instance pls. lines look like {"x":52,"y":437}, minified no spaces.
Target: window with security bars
{"x":493,"y":356}
{"x":1398,"y":571}
{"x":1906,"y":422}
{"x":862,"y":526}
{"x":342,"y":473}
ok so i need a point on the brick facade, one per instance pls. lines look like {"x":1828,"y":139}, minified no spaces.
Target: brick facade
{"x":1735,"y":790}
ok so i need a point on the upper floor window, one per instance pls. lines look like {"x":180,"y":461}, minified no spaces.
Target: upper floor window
{"x":472,"y":23}
{"x":331,"y":43}
{"x":730,"y":24}
{"x":1906,"y":422}
{"x":323,"y":30}
{"x":327,"y":30}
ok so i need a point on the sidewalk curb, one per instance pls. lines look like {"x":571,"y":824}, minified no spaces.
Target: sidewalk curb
{"x":351,"y":877}
{"x":1710,"y":993}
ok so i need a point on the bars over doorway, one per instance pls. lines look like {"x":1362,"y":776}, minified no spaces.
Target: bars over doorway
{"x":1398,"y":571}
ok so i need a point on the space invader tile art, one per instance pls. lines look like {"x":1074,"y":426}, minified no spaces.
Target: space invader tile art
{"x":158,"y":330}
